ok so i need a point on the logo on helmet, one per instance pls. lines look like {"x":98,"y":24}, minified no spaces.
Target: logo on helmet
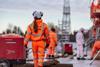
{"x":37,"y":14}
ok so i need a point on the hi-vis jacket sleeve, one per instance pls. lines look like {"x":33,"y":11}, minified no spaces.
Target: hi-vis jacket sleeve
{"x":27,"y":36}
{"x":46,"y":31}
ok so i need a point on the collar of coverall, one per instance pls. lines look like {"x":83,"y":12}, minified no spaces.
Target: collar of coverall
{"x":38,"y":21}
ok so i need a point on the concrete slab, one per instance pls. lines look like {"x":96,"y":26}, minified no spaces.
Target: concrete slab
{"x":58,"y":65}
{"x":79,"y":63}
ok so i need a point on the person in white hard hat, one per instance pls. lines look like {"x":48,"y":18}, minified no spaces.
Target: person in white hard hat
{"x":38,"y":33}
{"x":80,"y":42}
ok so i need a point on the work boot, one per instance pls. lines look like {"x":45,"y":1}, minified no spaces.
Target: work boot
{"x":82,"y":58}
{"x":52,"y":56}
{"x":90,"y":59}
{"x":49,"y":56}
{"x":78,"y":58}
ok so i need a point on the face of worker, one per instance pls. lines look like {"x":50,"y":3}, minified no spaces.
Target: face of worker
{"x":82,"y":31}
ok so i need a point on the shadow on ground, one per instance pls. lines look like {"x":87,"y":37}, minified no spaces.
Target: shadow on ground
{"x":58,"y":65}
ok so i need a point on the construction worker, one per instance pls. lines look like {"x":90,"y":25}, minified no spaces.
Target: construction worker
{"x":53,"y":42}
{"x":38,"y":33}
{"x":96,"y":47}
{"x":80,"y":42}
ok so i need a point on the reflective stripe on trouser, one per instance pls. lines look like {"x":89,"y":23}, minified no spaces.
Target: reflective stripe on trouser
{"x":80,"y":50}
{"x":38,"y":52}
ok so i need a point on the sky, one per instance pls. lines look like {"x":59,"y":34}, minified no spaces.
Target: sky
{"x":19,"y":12}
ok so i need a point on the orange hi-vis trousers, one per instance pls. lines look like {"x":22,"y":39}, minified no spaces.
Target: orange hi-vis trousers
{"x":51,"y":49}
{"x":38,"y":53}
{"x":53,"y":42}
{"x":95,"y":48}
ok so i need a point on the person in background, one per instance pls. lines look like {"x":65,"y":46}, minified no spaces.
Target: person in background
{"x":96,"y":47}
{"x":53,"y":42}
{"x":80,"y":42}
{"x":38,"y":33}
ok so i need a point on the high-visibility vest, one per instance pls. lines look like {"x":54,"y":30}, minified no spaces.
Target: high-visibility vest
{"x":39,"y":35}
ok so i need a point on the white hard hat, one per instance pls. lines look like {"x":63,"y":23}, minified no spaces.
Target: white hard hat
{"x":81,"y":29}
{"x":37,"y":14}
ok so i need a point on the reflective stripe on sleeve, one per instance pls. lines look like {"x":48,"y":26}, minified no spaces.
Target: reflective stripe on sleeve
{"x":36,"y":35}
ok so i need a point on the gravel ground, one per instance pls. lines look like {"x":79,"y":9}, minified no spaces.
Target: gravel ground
{"x":58,"y":65}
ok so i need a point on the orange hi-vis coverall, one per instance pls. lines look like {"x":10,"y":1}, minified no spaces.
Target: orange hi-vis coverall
{"x":53,"y":43}
{"x":95,"y":47}
{"x":38,"y":41}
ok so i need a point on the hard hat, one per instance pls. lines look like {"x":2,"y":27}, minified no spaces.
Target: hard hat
{"x":37,"y":14}
{"x":81,"y":29}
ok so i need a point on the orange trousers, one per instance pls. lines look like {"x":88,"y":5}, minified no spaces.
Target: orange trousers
{"x":51,"y":49}
{"x":95,"y":48}
{"x":38,"y":48}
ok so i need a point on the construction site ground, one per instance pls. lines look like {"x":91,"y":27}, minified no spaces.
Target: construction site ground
{"x":69,"y":61}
